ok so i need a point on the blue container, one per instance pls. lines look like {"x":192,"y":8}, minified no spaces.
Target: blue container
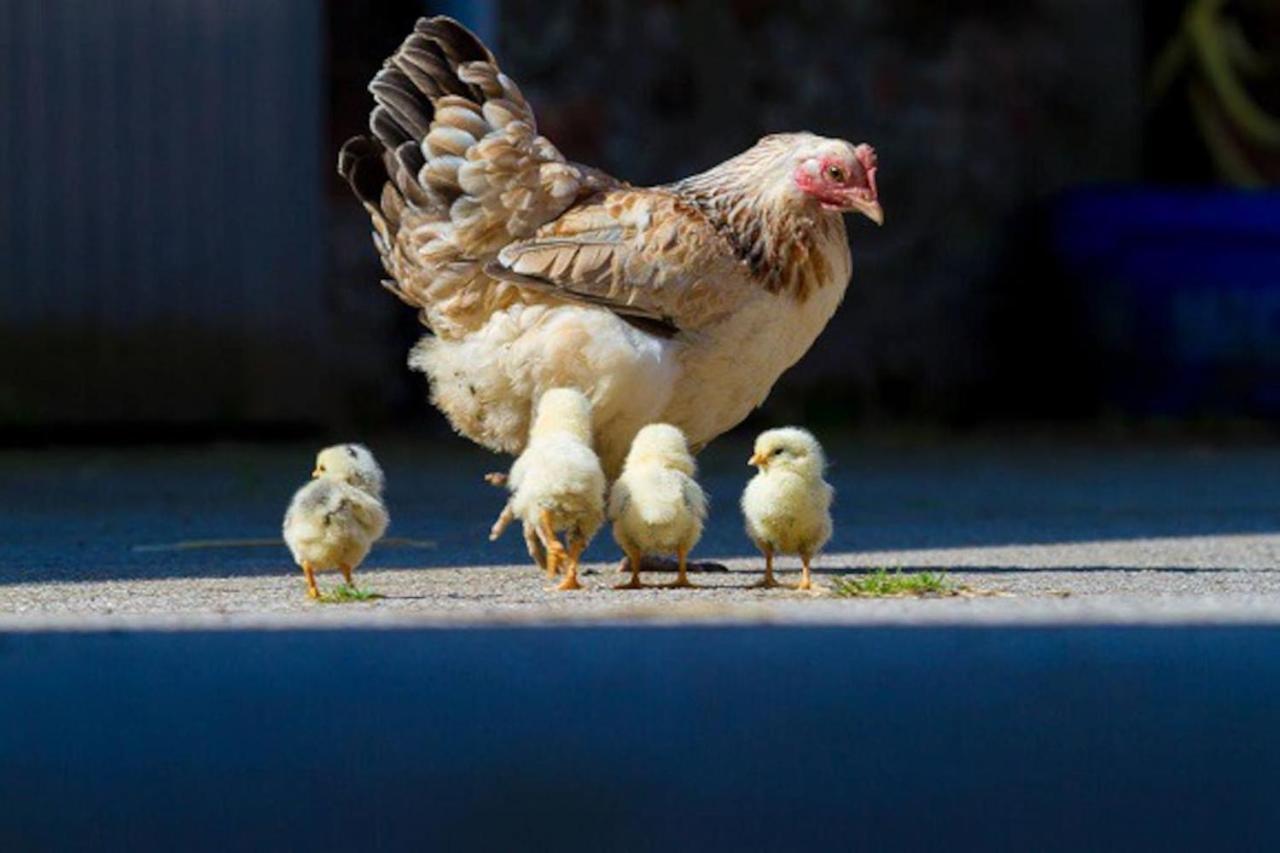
{"x":1181,"y":294}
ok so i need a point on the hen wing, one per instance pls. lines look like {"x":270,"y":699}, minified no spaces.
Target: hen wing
{"x":452,"y":171}
{"x":645,"y":254}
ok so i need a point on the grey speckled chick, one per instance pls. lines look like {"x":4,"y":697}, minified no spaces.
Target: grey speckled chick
{"x":333,"y":521}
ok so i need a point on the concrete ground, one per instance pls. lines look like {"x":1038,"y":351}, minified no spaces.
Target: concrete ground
{"x":1032,"y":531}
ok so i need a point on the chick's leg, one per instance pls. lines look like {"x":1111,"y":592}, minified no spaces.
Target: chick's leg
{"x":632,"y":563}
{"x":309,"y":571}
{"x":547,"y":535}
{"x":682,"y":568}
{"x":806,"y":581}
{"x":768,"y":581}
{"x":577,"y":545}
{"x":500,"y":524}
{"x":536,"y":549}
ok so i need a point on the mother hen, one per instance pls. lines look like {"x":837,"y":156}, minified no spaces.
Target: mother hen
{"x":682,"y":303}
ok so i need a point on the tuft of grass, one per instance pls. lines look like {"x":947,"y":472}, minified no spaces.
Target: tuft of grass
{"x":885,"y":584}
{"x":346,"y":594}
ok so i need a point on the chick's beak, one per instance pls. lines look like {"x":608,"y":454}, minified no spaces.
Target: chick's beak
{"x":315,"y":473}
{"x":756,"y":460}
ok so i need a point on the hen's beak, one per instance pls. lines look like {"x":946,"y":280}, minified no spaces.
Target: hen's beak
{"x":869,"y":208}
{"x":865,"y":199}
{"x":756,"y":460}
{"x":315,"y":473}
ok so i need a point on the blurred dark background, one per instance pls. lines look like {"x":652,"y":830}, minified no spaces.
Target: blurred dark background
{"x":1079,"y":230}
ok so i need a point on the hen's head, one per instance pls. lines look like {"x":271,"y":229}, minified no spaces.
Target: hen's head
{"x":352,"y":464}
{"x":837,"y":175}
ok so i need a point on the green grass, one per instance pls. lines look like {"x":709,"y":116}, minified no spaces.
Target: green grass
{"x":882,"y":583}
{"x":346,"y":594}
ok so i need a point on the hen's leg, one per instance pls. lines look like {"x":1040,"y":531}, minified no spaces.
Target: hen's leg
{"x":577,"y":545}
{"x":632,"y":563}
{"x":309,"y":571}
{"x":682,"y":577}
{"x":346,"y":574}
{"x":768,"y":581}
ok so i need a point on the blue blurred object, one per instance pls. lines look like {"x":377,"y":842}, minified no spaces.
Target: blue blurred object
{"x":480,"y":16}
{"x":1103,"y":738}
{"x":1181,"y":293}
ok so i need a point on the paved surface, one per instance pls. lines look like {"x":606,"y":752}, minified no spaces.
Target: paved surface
{"x":1036,"y":531}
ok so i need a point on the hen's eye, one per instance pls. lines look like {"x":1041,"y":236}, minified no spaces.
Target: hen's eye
{"x":835,"y":173}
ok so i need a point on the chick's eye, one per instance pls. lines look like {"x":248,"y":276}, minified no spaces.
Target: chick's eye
{"x":777,"y":451}
{"x":835,"y":173}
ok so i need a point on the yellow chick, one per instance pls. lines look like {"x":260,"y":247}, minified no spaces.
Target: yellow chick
{"x":787,"y":505}
{"x":656,"y":505}
{"x":557,"y":485}
{"x":333,"y":521}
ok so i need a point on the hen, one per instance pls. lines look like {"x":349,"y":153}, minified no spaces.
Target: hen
{"x":681,"y":303}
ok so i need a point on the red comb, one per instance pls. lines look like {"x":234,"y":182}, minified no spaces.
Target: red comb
{"x":867,"y":157}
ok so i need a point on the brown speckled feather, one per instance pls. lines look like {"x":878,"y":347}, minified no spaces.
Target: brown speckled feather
{"x":454,"y":171}
{"x":642,"y":253}
{"x":474,"y":211}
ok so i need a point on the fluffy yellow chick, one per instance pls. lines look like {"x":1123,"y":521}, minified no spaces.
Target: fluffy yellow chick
{"x":333,"y":521}
{"x":787,"y":505}
{"x":656,"y":506}
{"x":557,"y":485}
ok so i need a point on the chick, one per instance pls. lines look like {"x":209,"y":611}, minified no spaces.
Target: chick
{"x":333,"y":521}
{"x":557,"y":485}
{"x":787,"y":505}
{"x":656,"y":506}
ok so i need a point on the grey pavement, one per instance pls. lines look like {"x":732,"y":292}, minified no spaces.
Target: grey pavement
{"x":1034,"y":531}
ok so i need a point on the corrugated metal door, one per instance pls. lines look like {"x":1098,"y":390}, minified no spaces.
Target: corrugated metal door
{"x":160,"y":210}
